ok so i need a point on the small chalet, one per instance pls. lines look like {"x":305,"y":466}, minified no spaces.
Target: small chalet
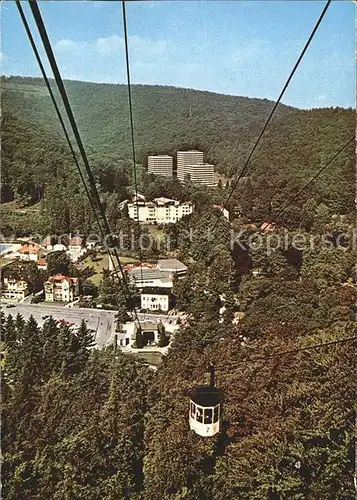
{"x":41,"y":264}
{"x":223,"y":210}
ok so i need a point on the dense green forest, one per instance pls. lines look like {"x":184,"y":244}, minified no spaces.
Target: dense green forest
{"x":87,"y":424}
{"x":82,"y":423}
{"x":161,"y":115}
{"x":295,"y":146}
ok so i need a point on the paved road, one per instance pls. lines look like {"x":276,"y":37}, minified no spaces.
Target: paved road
{"x":101,"y":321}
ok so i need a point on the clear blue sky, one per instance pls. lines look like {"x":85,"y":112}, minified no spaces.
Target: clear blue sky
{"x":233,"y":47}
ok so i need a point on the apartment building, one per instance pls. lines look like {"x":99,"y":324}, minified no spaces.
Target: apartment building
{"x":161,"y":165}
{"x":201,"y":173}
{"x":185,"y":158}
{"x":15,"y":289}
{"x":60,"y":288}
{"x":160,"y":210}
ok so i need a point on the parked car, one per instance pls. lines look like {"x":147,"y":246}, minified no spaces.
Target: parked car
{"x":11,"y":305}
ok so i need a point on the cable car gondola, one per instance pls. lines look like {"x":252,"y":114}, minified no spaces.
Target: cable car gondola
{"x":205,"y":408}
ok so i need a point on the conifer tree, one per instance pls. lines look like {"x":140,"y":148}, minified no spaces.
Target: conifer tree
{"x":69,"y":350}
{"x":9,"y":331}
{"x":163,"y":338}
{"x":2,"y":326}
{"x":50,"y":334}
{"x":84,"y":336}
{"x":139,"y":341}
{"x":20,"y":324}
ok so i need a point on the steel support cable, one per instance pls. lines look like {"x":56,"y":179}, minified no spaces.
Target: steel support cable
{"x":274,"y":355}
{"x":227,"y":367}
{"x":53,"y":99}
{"x":246,"y":164}
{"x":301,"y":56}
{"x":314,"y":177}
{"x":48,"y":48}
{"x":299,"y":349}
{"x":131,"y":126}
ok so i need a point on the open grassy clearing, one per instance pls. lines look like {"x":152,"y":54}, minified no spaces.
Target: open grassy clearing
{"x":102,"y":262}
{"x":12,"y":206}
{"x":153,"y":358}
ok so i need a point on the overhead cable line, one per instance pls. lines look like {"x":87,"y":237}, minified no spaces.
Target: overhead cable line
{"x":274,"y":355}
{"x":48,"y":85}
{"x":245,"y":167}
{"x":48,"y":48}
{"x":246,"y":164}
{"x":319,"y":172}
{"x":300,"y":349}
{"x":131,"y":126}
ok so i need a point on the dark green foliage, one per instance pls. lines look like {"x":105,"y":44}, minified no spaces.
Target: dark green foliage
{"x":75,"y":432}
{"x":113,"y":293}
{"x":84,"y":336}
{"x":122,"y":316}
{"x":163,"y":337}
{"x":60,"y":263}
{"x":160,"y":113}
{"x":89,"y":288}
{"x":291,"y":152}
{"x":27,"y":271}
{"x":139,"y":341}
{"x":84,"y":423}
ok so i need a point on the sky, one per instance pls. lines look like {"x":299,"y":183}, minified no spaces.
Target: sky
{"x":245,"y":48}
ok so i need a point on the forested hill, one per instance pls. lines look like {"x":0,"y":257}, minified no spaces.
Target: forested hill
{"x":165,"y":117}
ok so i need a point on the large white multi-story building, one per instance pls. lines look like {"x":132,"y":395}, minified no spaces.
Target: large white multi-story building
{"x":201,"y":174}
{"x":161,"y":165}
{"x":185,"y":158}
{"x":160,"y":210}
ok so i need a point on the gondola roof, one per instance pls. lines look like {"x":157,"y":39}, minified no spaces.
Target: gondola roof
{"x":205,"y":395}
